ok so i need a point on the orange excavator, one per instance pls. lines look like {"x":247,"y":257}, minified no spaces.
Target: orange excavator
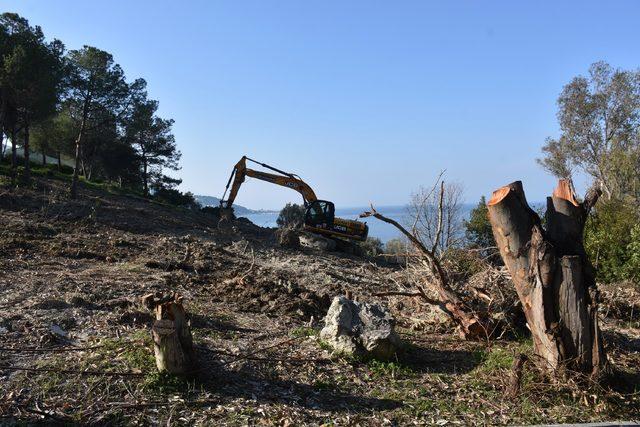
{"x":319,"y":214}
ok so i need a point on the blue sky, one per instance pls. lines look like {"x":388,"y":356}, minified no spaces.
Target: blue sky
{"x":365,"y":100}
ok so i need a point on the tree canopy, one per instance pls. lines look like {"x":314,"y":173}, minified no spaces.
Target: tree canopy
{"x":599,"y":117}
{"x":79,"y":105}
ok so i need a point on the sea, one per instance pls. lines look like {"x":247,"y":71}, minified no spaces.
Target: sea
{"x":377,"y":228}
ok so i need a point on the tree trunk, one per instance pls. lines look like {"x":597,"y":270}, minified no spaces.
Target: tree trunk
{"x":76,"y":168}
{"x":552,"y":275}
{"x":27,"y":165}
{"x":59,"y":161}
{"x":3,"y":115}
{"x":3,"y":109}
{"x":173,"y":343}
{"x":145,"y":176}
{"x":44,"y":158}
{"x":14,"y":154}
{"x":79,"y":140}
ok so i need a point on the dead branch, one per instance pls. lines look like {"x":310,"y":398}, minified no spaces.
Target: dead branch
{"x":516,"y":376}
{"x":436,"y":240}
{"x":448,"y":301}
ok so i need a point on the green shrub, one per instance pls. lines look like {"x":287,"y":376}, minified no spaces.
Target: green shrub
{"x":396,"y":246}
{"x":632,"y":267}
{"x":176,"y":198}
{"x":292,"y":216}
{"x":463,"y":263}
{"x":478,"y":228}
{"x":612,"y":239}
{"x":372,"y":247}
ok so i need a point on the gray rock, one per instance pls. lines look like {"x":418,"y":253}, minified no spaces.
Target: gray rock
{"x":360,"y":329}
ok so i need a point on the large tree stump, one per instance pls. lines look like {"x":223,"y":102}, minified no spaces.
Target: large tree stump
{"x":171,"y":332}
{"x":552,"y":274}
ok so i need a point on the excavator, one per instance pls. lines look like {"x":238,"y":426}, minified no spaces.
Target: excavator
{"x":319,"y":215}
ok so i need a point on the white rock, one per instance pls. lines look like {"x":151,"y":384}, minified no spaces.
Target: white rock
{"x":360,"y":329}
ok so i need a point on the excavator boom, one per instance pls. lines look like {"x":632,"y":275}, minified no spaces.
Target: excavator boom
{"x":285,"y":179}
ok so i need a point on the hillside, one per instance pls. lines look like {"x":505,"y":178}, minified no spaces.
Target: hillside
{"x":75,"y":344}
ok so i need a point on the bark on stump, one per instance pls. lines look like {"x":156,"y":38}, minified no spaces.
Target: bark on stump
{"x":552,"y":274}
{"x":171,"y":332}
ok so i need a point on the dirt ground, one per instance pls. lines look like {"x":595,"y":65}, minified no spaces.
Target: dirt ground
{"x":75,"y":342}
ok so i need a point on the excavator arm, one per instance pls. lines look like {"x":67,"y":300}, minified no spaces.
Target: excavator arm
{"x":285,"y":179}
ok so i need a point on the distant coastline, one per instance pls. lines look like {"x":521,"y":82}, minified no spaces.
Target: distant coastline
{"x":239,"y":210}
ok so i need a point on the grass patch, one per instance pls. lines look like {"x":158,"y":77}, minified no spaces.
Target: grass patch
{"x":392,"y":370}
{"x":302,"y":331}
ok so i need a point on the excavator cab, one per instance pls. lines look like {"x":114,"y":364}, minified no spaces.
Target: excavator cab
{"x":320,"y":218}
{"x":320,"y":214}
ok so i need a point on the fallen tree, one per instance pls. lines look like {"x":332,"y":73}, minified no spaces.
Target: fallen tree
{"x":552,"y":274}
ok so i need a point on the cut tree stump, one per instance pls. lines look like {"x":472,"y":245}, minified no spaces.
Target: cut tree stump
{"x":552,"y":274}
{"x":171,"y":332}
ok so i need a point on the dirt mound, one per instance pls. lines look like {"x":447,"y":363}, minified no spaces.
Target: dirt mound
{"x":272,"y":297}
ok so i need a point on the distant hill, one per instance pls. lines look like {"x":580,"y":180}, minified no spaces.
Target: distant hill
{"x":239,"y":210}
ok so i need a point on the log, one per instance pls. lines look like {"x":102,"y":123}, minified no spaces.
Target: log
{"x":552,"y":275}
{"x":171,"y":332}
{"x":516,"y":376}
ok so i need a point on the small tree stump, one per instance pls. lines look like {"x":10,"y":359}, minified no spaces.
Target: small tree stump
{"x":170,"y":356}
{"x":171,"y":332}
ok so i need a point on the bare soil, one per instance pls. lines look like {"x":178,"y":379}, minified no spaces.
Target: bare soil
{"x":75,"y":341}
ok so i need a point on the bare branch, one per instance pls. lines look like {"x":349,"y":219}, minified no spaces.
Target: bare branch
{"x":424,"y":201}
{"x":436,"y":240}
{"x":448,"y":300}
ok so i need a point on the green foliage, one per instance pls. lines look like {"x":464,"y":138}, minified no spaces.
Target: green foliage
{"x":396,"y":246}
{"x":152,"y":137}
{"x":478,"y":228}
{"x":303,"y":331}
{"x":599,"y":116}
{"x":292,"y":216}
{"x":372,"y":247}
{"x":611,"y":239}
{"x":394,"y":370}
{"x":632,"y":267}
{"x":463,"y":263}
{"x":54,"y":101}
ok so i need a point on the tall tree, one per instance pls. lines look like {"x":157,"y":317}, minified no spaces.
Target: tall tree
{"x":599,"y":118}
{"x":32,"y":69}
{"x":153,"y":138}
{"x":98,"y":92}
{"x":4,"y":49}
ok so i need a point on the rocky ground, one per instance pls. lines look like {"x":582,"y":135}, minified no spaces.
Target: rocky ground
{"x":75,"y":341}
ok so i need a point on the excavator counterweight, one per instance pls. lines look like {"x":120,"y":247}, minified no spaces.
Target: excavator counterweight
{"x":319,"y":214}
